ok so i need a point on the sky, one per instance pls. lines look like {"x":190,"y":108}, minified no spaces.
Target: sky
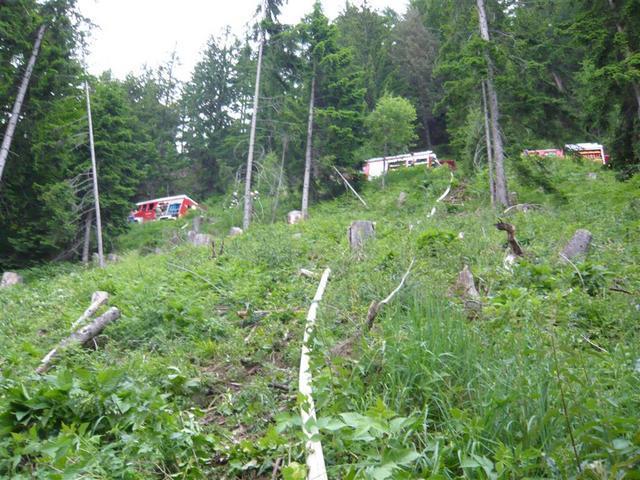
{"x":132,"y":33}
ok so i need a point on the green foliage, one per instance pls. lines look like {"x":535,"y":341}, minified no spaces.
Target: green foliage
{"x":198,"y":376}
{"x":392,"y":125}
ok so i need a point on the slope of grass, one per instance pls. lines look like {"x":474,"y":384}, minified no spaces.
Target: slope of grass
{"x":199,"y":376}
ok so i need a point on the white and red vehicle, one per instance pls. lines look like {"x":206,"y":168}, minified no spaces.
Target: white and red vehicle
{"x":165,"y":208}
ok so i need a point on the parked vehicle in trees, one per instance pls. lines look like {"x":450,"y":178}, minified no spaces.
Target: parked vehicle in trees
{"x":376,"y":167}
{"x":166,"y":208}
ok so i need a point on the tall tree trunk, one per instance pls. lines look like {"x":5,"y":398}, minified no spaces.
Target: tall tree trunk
{"x":487,"y":134}
{"x":17,"y":106}
{"x":628,"y":54}
{"x":285,"y":142}
{"x":87,"y":237}
{"x":427,"y":130}
{"x":248,"y":203}
{"x":307,"y":157}
{"x":498,"y":150}
{"x":94,"y":174}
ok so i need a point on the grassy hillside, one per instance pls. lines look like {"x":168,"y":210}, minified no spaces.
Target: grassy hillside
{"x":199,"y":376}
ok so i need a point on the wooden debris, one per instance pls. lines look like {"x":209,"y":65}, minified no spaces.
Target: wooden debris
{"x":442,"y":197}
{"x":511,"y":238}
{"x":307,"y":273}
{"x":346,"y":182}
{"x":97,"y":300}
{"x":294,"y":216}
{"x":315,"y":458}
{"x":359,"y":232}
{"x":523,"y":207}
{"x":81,"y":337}
{"x":199,"y":239}
{"x":577,"y":246}
{"x":375,"y":307}
{"x":9,"y":279}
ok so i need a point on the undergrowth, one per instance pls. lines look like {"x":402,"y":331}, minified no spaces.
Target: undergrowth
{"x":198,"y":379}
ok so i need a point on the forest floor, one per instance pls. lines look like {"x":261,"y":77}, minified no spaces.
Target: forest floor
{"x":198,"y":379}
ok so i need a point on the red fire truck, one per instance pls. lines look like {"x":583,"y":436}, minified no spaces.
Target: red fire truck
{"x":166,"y":208}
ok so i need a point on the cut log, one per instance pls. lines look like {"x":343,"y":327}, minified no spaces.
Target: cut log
{"x":235,"y":231}
{"x":294,"y":216}
{"x":81,"y":337}
{"x":97,"y":300}
{"x":578,"y":245}
{"x":9,"y":279}
{"x":359,"y":232}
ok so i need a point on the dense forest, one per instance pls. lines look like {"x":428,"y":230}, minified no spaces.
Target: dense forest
{"x":563,"y":71}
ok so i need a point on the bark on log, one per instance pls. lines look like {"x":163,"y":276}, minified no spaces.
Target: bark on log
{"x":97,"y":300}
{"x":81,"y":337}
{"x":9,"y":279}
{"x":578,"y":245}
{"x":359,"y":232}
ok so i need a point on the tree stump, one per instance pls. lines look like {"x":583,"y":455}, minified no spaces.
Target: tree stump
{"x":465,"y":287}
{"x":402,"y":198}
{"x":197,"y":223}
{"x":235,"y":231}
{"x":9,"y":279}
{"x":359,"y":232}
{"x":199,"y":239}
{"x":578,"y":245}
{"x":294,"y":216}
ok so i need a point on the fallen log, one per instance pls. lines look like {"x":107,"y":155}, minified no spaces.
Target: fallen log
{"x":80,"y":337}
{"x":315,"y":458}
{"x":97,"y":300}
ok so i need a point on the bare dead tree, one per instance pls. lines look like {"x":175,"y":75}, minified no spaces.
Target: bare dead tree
{"x":307,"y":158}
{"x":94,"y":170}
{"x":501,"y":190}
{"x":17,"y":106}
{"x":248,"y":204}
